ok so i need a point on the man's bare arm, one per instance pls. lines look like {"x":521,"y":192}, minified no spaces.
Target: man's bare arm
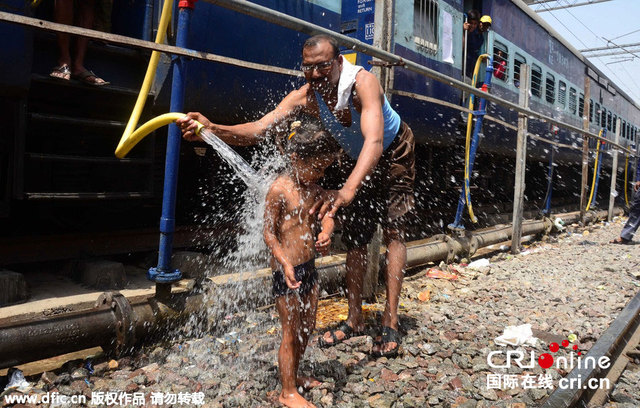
{"x":372,"y":126}
{"x":243,"y":134}
{"x":272,"y":211}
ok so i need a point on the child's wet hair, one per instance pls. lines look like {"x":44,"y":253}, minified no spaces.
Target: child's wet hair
{"x":308,"y":138}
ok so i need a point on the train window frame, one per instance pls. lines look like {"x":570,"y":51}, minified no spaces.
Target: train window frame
{"x":498,"y":46}
{"x":581,"y":105}
{"x":590,"y":110}
{"x":597,"y":114}
{"x":573,"y":100}
{"x":536,"y":81}
{"x":550,"y":91}
{"x":609,"y":117}
{"x":426,"y":27}
{"x":518,"y":60}
{"x":603,"y":118}
{"x":614,"y":122}
{"x":562,"y":94}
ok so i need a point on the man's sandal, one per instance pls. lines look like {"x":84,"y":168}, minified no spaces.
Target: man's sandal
{"x":621,"y":241}
{"x":89,"y":78}
{"x":389,"y":335}
{"x":344,"y":328}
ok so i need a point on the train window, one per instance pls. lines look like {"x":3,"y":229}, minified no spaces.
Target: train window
{"x":603,"y":122}
{"x":550,"y":88}
{"x":591,"y":110}
{"x":581,"y":105}
{"x":536,"y":80}
{"x":425,"y":25}
{"x":562,"y":94}
{"x":614,"y":122}
{"x":597,"y":115}
{"x":500,"y":61}
{"x":572,"y":100}
{"x":609,"y":120}
{"x":517,"y":61}
{"x":623,"y":129}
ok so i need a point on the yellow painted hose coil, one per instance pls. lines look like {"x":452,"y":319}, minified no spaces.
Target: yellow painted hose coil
{"x":149,"y":127}
{"x":468,"y":140}
{"x":595,"y":171}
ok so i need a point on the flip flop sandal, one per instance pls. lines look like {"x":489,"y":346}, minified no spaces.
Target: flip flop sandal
{"x":344,"y":328}
{"x":62,"y":72}
{"x":85,"y":78}
{"x":389,"y":335}
{"x":621,"y":241}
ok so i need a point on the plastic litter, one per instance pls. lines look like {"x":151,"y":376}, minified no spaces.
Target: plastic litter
{"x":17,"y":381}
{"x":559,"y":224}
{"x":480,"y":263}
{"x":516,"y":336}
{"x":436,"y":273}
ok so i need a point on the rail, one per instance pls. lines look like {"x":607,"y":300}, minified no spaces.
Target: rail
{"x":297,"y":24}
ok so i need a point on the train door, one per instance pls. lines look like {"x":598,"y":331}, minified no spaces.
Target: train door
{"x":63,"y":155}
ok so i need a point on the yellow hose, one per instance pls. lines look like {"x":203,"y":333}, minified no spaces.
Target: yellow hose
{"x":149,"y":127}
{"x":126,"y":141}
{"x":595,"y":171}
{"x":468,"y":141}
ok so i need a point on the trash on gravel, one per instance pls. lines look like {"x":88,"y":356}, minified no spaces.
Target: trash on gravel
{"x":17,"y":381}
{"x":480,"y":263}
{"x":516,"y":336}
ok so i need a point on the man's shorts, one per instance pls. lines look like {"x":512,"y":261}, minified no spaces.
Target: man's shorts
{"x":305,"y":273}
{"x":387,"y":197}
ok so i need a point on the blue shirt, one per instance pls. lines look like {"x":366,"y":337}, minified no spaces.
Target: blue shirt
{"x":350,"y":138}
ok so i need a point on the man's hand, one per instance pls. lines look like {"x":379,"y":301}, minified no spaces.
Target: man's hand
{"x":290,"y":277}
{"x":331,"y":201}
{"x":323,"y":243}
{"x":636,"y":186}
{"x":188,"y":126}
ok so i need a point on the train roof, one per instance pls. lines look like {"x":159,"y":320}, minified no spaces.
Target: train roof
{"x":524,"y":7}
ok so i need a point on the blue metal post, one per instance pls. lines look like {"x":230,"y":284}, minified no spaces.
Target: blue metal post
{"x":479,"y":115}
{"x":148,"y":20}
{"x":163,"y":273}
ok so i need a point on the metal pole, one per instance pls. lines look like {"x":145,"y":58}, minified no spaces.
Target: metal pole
{"x":614,"y":172}
{"x":521,"y":161}
{"x":163,"y":273}
{"x":370,"y":281}
{"x":585,"y":147}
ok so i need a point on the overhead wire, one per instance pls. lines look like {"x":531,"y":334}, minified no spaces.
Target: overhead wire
{"x":582,"y":42}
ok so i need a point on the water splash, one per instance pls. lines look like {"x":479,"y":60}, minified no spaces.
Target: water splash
{"x":242,"y":168}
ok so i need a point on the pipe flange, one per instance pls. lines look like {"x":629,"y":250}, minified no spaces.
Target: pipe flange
{"x":451,"y":246}
{"x":125,"y":328}
{"x":474,"y":244}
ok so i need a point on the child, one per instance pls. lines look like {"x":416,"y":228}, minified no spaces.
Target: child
{"x":289,"y":232}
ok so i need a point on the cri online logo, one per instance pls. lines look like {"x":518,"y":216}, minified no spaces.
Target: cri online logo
{"x":546,"y":360}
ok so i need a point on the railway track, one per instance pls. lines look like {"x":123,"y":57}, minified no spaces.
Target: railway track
{"x":619,"y":346}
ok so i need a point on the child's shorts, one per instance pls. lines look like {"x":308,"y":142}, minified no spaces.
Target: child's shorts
{"x":305,"y":273}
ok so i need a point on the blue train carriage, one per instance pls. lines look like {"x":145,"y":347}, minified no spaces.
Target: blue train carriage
{"x":56,"y":157}
{"x":86,"y":123}
{"x":558,"y":73}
